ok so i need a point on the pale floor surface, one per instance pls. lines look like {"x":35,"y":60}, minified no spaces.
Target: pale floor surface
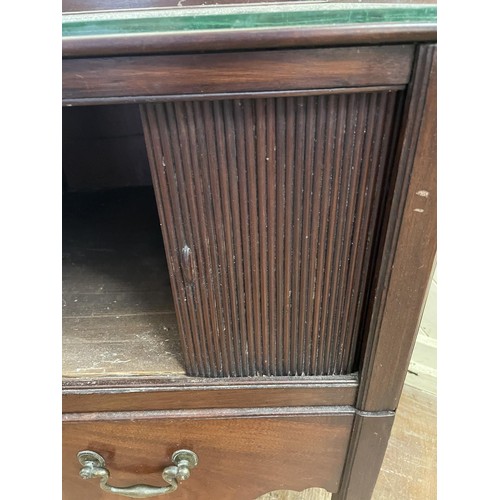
{"x":422,"y":372}
{"x":409,"y":468}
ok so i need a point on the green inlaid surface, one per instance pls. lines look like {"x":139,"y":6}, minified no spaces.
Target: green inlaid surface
{"x":242,"y":17}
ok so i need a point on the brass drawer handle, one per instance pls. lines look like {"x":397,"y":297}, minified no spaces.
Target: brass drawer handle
{"x":95,"y":466}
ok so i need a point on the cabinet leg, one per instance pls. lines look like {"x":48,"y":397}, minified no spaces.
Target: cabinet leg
{"x":369,"y":439}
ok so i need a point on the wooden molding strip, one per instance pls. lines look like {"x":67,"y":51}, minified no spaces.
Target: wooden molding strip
{"x":105,"y":77}
{"x":217,"y":96}
{"x":210,"y":413}
{"x":208,"y":393}
{"x":264,"y":38}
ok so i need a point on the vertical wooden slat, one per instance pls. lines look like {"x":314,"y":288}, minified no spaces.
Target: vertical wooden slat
{"x":190,"y":263}
{"x":196,"y":191}
{"x":342,"y":166}
{"x":271,"y":229}
{"x":226,"y":327}
{"x":250,"y":140}
{"x":260,"y":124}
{"x":271,"y":206}
{"x":384,"y":145}
{"x":380,"y":125}
{"x":208,"y":220}
{"x":309,"y":151}
{"x":298,"y":213}
{"x":242,"y":173}
{"x":230,"y":287}
{"x":290,"y":145}
{"x":281,"y":358}
{"x":319,"y":169}
{"x":359,"y":230}
{"x":239,"y":331}
{"x":336,"y":150}
{"x":154,"y":150}
{"x":177,"y":115}
{"x":321,"y":295}
{"x":352,"y":216}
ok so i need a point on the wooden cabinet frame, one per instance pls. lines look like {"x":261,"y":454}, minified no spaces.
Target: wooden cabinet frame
{"x":405,"y":248}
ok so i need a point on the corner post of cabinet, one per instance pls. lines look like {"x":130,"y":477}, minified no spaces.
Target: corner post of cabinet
{"x":400,"y":284}
{"x":408,"y":248}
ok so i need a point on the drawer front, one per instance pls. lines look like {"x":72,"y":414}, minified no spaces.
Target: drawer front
{"x":239,"y":458}
{"x":144,"y":77}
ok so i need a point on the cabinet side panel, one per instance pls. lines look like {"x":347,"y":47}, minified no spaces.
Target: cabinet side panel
{"x":269,"y":205}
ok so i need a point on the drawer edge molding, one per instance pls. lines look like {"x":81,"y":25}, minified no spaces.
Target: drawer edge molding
{"x":225,"y":413}
{"x":79,"y":397}
{"x":137,"y":384}
{"x":210,"y":413}
{"x":216,"y":96}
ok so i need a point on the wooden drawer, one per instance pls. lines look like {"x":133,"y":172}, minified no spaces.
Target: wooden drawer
{"x":242,"y":454}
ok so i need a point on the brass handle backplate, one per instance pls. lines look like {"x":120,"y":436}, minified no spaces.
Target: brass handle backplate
{"x":95,"y":466}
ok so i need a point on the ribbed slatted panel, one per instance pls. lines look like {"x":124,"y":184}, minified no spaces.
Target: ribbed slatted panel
{"x":268,"y":209}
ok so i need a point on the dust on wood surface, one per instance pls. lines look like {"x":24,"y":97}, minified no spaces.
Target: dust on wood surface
{"x":118,"y":314}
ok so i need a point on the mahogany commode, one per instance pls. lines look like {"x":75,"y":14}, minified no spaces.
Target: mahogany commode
{"x":292,"y":155}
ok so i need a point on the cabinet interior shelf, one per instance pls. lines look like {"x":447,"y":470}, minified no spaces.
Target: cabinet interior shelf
{"x":118,"y":313}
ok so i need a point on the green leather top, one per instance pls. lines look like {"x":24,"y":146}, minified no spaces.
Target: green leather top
{"x":241,"y":17}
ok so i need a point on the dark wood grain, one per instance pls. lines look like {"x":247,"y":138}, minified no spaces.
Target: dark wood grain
{"x":244,"y":71}
{"x":409,"y":467}
{"x":315,"y":249}
{"x":227,"y":225}
{"x":275,"y":38}
{"x":147,"y":393}
{"x":119,"y":319}
{"x":408,"y":249}
{"x":369,"y":438}
{"x":238,"y":457}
